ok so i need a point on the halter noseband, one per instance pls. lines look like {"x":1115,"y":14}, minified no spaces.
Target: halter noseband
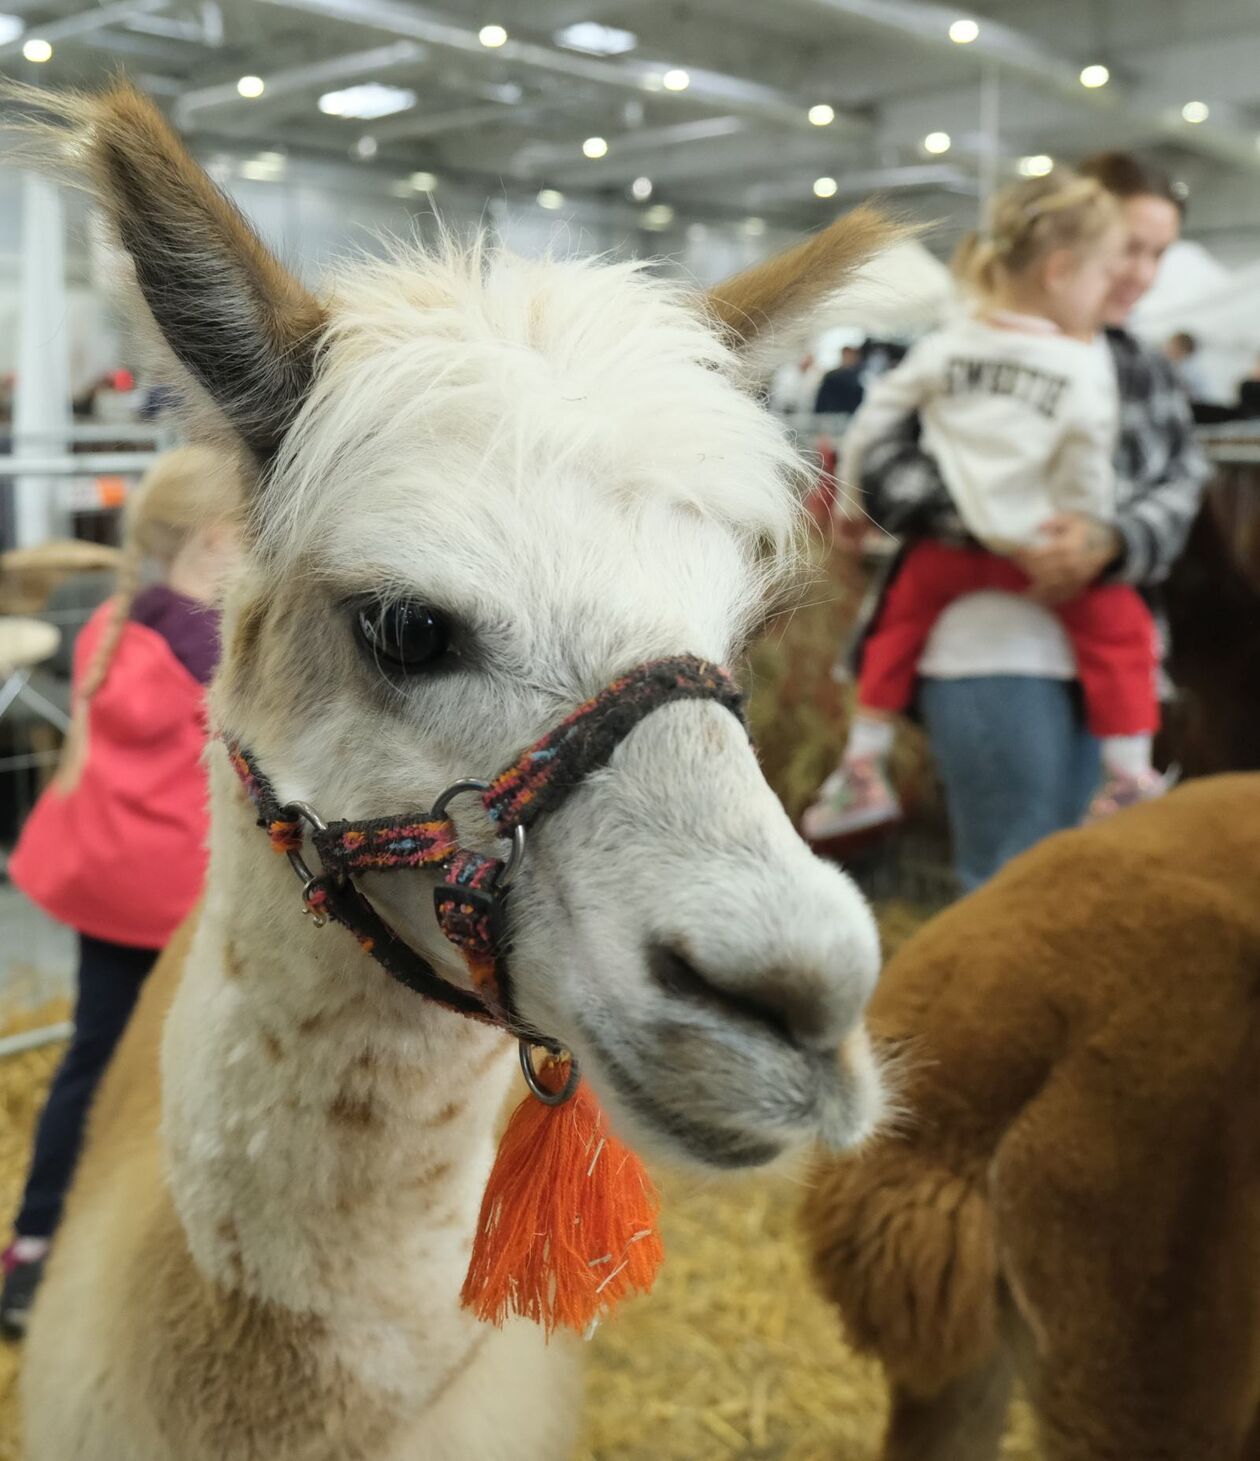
{"x":470,"y":900}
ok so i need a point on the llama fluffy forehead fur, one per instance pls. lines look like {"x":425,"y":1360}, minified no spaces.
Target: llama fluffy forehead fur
{"x":576,"y":391}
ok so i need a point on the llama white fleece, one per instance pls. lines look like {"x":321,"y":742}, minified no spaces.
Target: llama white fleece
{"x":1021,"y":420}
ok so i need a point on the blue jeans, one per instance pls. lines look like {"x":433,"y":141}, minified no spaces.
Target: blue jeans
{"x":1016,"y":760}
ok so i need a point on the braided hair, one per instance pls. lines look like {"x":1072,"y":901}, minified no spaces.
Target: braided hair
{"x":1030,"y":219}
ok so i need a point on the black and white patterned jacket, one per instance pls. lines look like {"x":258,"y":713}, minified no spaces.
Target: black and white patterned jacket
{"x":1160,"y":474}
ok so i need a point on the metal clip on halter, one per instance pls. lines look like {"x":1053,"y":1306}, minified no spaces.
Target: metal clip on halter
{"x":536,"y":1087}
{"x":306,"y":877}
{"x":512,"y":863}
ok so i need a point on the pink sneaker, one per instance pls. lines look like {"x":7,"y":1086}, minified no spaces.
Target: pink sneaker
{"x":856,"y":796}
{"x":1119,"y":791}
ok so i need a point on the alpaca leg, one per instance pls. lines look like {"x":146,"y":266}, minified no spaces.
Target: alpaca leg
{"x":962,"y":1422}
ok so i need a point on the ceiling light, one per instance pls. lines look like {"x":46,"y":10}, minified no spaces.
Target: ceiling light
{"x":596,"y":39}
{"x":754,"y":227}
{"x":492,"y":36}
{"x":550,"y":198}
{"x":822,"y":115}
{"x":1196,"y":111}
{"x":594,"y":147}
{"x":660,"y":215}
{"x":1095,"y":76}
{"x":366,"y":102}
{"x":937,"y":142}
{"x":267,"y":167}
{"x":825,"y":187}
{"x":963,"y":32}
{"x":423,"y":182}
{"x":676,"y":80}
{"x":365,"y":148}
{"x":10,"y":28}
{"x":641,"y":189}
{"x":37,"y":50}
{"x":1036,"y":166}
{"x":251,"y":86}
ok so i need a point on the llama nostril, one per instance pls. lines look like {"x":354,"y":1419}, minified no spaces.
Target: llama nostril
{"x":795,"y":1004}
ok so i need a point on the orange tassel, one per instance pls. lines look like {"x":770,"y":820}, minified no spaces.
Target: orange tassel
{"x":568,"y":1222}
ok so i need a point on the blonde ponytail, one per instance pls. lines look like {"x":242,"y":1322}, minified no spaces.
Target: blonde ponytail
{"x":1028,"y":220}
{"x":185,"y":490}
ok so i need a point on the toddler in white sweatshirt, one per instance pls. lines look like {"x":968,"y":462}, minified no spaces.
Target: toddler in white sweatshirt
{"x":1018,"y":405}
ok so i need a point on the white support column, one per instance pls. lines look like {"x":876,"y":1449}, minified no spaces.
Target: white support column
{"x":42,"y":395}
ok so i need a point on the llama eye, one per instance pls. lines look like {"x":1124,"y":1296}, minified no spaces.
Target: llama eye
{"x":404,"y":635}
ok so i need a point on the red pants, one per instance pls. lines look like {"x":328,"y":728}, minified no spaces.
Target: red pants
{"x":1110,"y":627}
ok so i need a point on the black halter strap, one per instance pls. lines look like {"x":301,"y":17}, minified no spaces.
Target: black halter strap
{"x":470,"y":899}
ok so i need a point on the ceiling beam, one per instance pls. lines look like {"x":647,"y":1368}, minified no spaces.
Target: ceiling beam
{"x":627,"y":152}
{"x":620,"y":73}
{"x":938,"y":177}
{"x":300,"y":79}
{"x":81,"y":24}
{"x":926,"y":23}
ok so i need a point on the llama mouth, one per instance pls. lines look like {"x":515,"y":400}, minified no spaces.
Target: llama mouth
{"x":706,"y":1144}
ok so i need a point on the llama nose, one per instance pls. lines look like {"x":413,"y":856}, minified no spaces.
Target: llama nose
{"x":808,"y":1005}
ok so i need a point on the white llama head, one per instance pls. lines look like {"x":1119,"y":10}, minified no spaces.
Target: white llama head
{"x":554,"y":469}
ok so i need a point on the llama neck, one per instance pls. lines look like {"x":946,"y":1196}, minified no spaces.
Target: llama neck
{"x":327,"y":1134}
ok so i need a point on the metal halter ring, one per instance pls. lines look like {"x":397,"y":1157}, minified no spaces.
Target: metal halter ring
{"x":512,"y":863}
{"x":297,"y":862}
{"x":536,"y":1087}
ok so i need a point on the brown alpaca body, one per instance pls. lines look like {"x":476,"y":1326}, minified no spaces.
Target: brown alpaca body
{"x":1074,"y":1195}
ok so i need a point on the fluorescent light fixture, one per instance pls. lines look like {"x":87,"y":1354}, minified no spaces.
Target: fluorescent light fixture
{"x":937,"y":142}
{"x":550,"y":198}
{"x":251,"y":86}
{"x":263,"y":168}
{"x":641,"y":189}
{"x":1095,"y":76}
{"x":676,"y":79}
{"x":822,"y":115}
{"x":492,"y":36}
{"x":366,"y":102}
{"x":963,"y":32}
{"x":423,"y":182}
{"x":37,"y":50}
{"x":1036,"y":166}
{"x":594,"y":147}
{"x":596,"y":39}
{"x":1196,"y":112}
{"x":825,"y":187}
{"x":660,"y":215}
{"x":10,"y":28}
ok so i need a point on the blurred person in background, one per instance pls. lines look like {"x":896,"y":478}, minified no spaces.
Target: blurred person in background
{"x":1182,"y":351}
{"x":841,"y":391}
{"x":794,"y":387}
{"x":1018,"y":404}
{"x":116,"y":846}
{"x":998,"y":685}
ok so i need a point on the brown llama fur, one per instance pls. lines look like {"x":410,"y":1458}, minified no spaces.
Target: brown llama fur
{"x":1074,"y":1193}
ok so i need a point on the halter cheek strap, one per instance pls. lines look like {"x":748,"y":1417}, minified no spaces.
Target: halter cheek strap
{"x":470,"y":900}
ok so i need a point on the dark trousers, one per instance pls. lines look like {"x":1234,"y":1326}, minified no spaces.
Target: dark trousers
{"x":110,"y":976}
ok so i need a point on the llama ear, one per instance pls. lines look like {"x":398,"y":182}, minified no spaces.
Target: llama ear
{"x":768,"y":311}
{"x":238,"y":323}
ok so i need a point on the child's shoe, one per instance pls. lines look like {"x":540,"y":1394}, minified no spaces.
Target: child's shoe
{"x":855,"y":797}
{"x":1119,"y":791}
{"x":23,"y":1263}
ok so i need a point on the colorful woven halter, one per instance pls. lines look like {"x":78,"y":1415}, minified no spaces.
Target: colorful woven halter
{"x":470,"y":899}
